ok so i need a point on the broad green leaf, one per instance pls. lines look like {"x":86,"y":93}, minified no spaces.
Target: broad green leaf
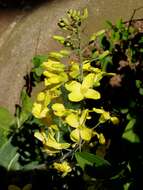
{"x":129,"y":133}
{"x":131,"y":136}
{"x":6,"y":120}
{"x":85,"y":158}
{"x":9,"y":156}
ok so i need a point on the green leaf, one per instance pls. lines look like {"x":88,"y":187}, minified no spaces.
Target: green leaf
{"x":109,"y":24}
{"x":6,"y":121}
{"x":119,"y":24}
{"x":38,"y":71}
{"x":27,"y":187}
{"x":26,"y":107}
{"x":13,"y":187}
{"x":129,"y":133}
{"x":85,"y":158}
{"x":138,"y":83}
{"x":116,"y":36}
{"x":126,"y":186}
{"x":9,"y":156}
{"x":39,"y":59}
{"x":141,"y":40}
{"x":141,"y":91}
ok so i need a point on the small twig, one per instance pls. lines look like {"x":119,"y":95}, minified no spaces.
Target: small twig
{"x":132,"y":16}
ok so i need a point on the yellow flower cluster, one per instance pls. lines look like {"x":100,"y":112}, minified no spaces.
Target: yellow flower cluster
{"x":46,"y":104}
{"x":63,"y":167}
{"x":51,"y":145}
{"x":64,"y":82}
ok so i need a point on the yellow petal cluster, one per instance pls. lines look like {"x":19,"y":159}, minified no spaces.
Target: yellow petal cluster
{"x":78,"y":122}
{"x":83,"y":133}
{"x":52,"y":78}
{"x":51,"y":145}
{"x":53,"y":66}
{"x":63,"y":167}
{"x":54,"y":72}
{"x":40,"y":108}
{"x":59,"y":109}
{"x":39,"y":111}
{"x":105,"y":116}
{"x":80,"y":91}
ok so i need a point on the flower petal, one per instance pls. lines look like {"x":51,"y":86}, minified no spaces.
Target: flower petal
{"x":36,"y":110}
{"x":72,"y":120}
{"x":100,"y":111}
{"x":102,"y":139}
{"x":59,"y":109}
{"x":86,"y":133}
{"x":73,"y":86}
{"x":41,"y":96}
{"x":75,"y":96}
{"x":88,"y":81}
{"x":83,"y":117}
{"x":75,"y":135}
{"x":92,"y":94}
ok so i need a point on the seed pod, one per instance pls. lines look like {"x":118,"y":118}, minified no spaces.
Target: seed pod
{"x":60,"y":39}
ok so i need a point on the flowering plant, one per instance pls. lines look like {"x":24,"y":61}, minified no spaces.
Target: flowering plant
{"x":70,"y":80}
{"x":86,"y":121}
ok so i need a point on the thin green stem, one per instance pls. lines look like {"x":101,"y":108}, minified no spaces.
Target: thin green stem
{"x":80,"y":53}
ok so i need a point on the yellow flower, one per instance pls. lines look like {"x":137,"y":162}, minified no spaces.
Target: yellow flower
{"x":115,"y":120}
{"x":39,"y":111}
{"x":63,"y":167}
{"x":101,"y":138}
{"x":51,"y":145}
{"x":80,"y":91}
{"x":59,"y":109}
{"x":87,"y":67}
{"x":105,"y":116}
{"x":83,"y":133}
{"x":54,"y":66}
{"x":74,"y":70}
{"x":77,"y":120}
{"x":56,"y":55}
{"x":41,"y":96}
{"x":52,"y":78}
{"x":73,"y":120}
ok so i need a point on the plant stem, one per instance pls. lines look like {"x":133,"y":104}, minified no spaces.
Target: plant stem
{"x":80,"y":53}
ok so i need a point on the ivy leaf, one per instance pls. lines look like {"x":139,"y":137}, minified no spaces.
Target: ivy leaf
{"x":6,"y":121}
{"x":85,"y":158}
